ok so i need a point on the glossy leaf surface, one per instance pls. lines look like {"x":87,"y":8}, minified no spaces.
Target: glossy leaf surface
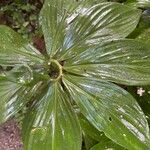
{"x":112,"y":110}
{"x":88,"y":142}
{"x":16,"y":50}
{"x":144,"y":36}
{"x":15,"y":93}
{"x":69,"y":24}
{"x":138,"y":3}
{"x":91,"y":135}
{"x":91,"y":131}
{"x":107,"y":146}
{"x":123,"y":61}
{"x":144,"y":27}
{"x":84,"y":43}
{"x":142,"y":31}
{"x":143,"y":99}
{"x":52,"y":124}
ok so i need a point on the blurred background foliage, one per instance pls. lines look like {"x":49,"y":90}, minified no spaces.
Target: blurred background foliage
{"x":21,"y":15}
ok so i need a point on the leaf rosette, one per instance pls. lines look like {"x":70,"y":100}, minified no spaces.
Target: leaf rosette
{"x":86,"y":53}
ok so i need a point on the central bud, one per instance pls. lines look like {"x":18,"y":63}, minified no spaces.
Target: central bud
{"x":54,"y":70}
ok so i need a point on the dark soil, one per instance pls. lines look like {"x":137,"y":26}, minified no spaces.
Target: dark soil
{"x":10,"y":136}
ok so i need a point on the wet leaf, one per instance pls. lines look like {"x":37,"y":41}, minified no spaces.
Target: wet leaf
{"x":143,"y":99}
{"x":91,"y":135}
{"x":111,"y":110}
{"x":14,"y":50}
{"x":66,"y":25}
{"x":90,"y":131}
{"x":138,"y":3}
{"x":120,"y":61}
{"x":15,"y":94}
{"x":85,"y":49}
{"x":107,"y":146}
{"x":142,"y":31}
{"x":52,"y":123}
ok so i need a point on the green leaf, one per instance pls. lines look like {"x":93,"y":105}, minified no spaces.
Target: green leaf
{"x":143,"y":100}
{"x":144,"y":27}
{"x":14,"y":93}
{"x":111,"y":110}
{"x":138,"y":3}
{"x":106,"y":19}
{"x":144,"y":36}
{"x":52,"y":123}
{"x":91,"y":131}
{"x":53,"y":23}
{"x":90,"y":134}
{"x":102,"y":22}
{"x":93,"y":2}
{"x":88,"y":142}
{"x":16,"y":50}
{"x":142,"y":31}
{"x":107,"y":146}
{"x":120,"y":61}
{"x":67,"y":25}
